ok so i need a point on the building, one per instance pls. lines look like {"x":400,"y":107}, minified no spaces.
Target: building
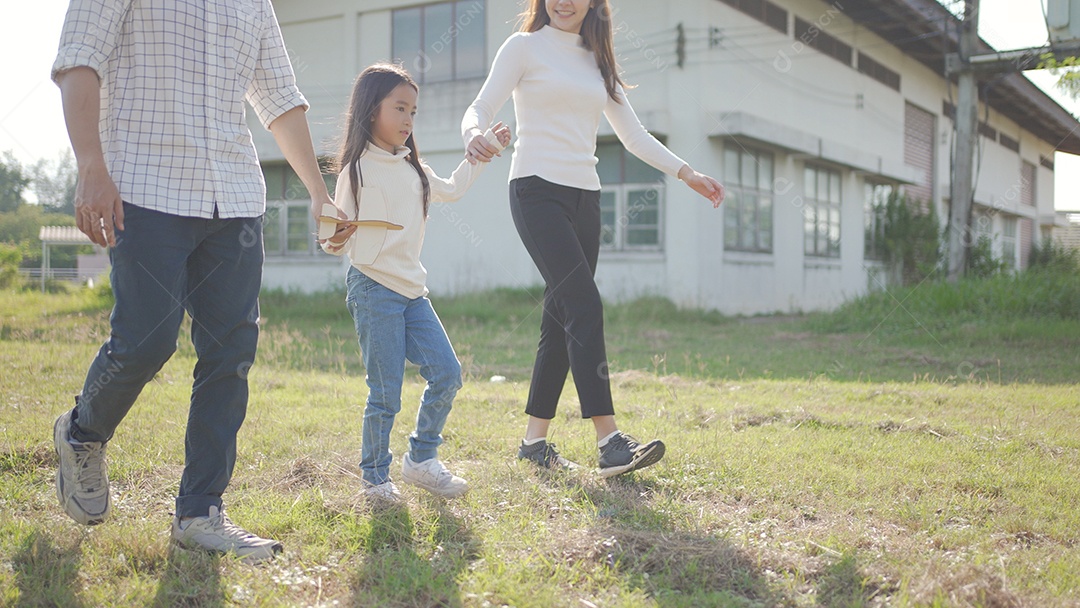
{"x":809,"y":112}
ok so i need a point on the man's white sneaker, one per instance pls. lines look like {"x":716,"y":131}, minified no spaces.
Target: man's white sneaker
{"x":82,"y":479}
{"x":217,"y":534}
{"x":433,"y":477}
{"x":385,"y":493}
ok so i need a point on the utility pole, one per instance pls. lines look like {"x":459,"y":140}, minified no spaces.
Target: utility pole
{"x":1063,"y":21}
{"x":962,"y":190}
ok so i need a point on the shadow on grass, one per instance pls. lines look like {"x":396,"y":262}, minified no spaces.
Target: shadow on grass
{"x":46,"y":574}
{"x":190,"y":578}
{"x":645,"y":549}
{"x":397,"y":569}
{"x":842,"y":584}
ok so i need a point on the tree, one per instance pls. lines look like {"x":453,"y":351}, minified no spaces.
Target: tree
{"x":12,"y":183}
{"x":53,"y":183}
{"x":1067,"y":70}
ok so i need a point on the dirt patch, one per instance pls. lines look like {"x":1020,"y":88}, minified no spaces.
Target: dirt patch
{"x":795,"y":419}
{"x":891,"y":426}
{"x":302,"y":473}
{"x":28,"y":459}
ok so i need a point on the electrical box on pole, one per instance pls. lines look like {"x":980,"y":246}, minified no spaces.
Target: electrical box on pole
{"x":1063,"y":20}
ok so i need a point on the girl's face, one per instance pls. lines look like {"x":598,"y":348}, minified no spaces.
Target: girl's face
{"x":394,"y":118}
{"x":567,"y":15}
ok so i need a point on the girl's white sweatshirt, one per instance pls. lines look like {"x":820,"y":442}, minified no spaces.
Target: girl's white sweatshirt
{"x":397,"y":266}
{"x":559,"y":96}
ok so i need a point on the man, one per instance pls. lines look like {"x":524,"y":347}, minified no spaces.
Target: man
{"x":153,"y":94}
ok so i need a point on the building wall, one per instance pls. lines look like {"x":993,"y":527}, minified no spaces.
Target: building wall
{"x":742,"y":85}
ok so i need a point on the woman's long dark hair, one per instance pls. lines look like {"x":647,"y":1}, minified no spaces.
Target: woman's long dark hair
{"x":595,"y":33}
{"x":372,"y":86}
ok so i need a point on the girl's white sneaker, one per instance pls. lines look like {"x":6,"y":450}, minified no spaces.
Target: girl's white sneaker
{"x":433,"y":477}
{"x":383,"y":493}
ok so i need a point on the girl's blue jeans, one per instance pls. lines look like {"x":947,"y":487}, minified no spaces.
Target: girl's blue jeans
{"x":392,"y":329}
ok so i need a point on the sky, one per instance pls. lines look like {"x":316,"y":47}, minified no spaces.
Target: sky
{"x":32,"y":124}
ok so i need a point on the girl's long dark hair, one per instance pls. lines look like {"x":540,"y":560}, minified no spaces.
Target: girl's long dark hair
{"x":372,"y":86}
{"x":595,"y":33}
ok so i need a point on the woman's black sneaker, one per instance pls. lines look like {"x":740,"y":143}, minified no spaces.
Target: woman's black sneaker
{"x":622,"y":454}
{"x":544,"y":455}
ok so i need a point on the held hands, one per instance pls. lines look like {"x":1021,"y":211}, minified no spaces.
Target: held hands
{"x":99,"y":212}
{"x":703,"y":185}
{"x":342,"y":232}
{"x":482,"y":150}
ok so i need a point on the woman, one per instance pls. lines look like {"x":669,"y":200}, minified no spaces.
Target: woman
{"x":560,"y":67}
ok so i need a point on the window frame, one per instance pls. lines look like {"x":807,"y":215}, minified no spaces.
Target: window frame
{"x":874,"y":209}
{"x":622,"y":210}
{"x":285,"y":193}
{"x":812,"y":243}
{"x":1009,"y":241}
{"x":453,"y":33}
{"x":736,"y":190}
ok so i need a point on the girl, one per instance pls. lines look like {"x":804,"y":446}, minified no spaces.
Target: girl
{"x":560,"y":67}
{"x":382,"y":178}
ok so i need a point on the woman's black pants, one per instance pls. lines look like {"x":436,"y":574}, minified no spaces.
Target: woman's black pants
{"x":560,"y":227}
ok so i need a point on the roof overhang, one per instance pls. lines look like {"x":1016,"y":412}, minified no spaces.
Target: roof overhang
{"x":742,"y":126}
{"x":62,"y":235}
{"x":927,"y":32}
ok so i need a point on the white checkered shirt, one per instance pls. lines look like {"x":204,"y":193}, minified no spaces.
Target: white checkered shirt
{"x":174,"y":77}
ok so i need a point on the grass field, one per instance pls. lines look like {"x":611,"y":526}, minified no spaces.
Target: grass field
{"x":881,"y":456}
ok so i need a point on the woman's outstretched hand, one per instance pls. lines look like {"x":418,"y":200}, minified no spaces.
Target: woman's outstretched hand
{"x":703,"y":185}
{"x":503,"y":133}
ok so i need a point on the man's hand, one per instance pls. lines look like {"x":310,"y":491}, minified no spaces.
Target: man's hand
{"x":99,"y":212}
{"x":317,"y":203}
{"x":342,"y":231}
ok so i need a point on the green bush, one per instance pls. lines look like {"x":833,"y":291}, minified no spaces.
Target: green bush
{"x":981,"y":263}
{"x":1054,"y":257}
{"x":1003,"y":297}
{"x":22,"y":226}
{"x":912,"y":238}
{"x":10,"y":258}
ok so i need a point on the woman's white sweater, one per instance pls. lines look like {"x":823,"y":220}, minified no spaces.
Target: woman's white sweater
{"x":559,"y":96}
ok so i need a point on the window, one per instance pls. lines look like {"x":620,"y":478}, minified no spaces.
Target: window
{"x":631,"y":201}
{"x":876,"y":197}
{"x":288,"y":228}
{"x":919,"y":151}
{"x":440,"y":42}
{"x":812,"y":36}
{"x":768,"y":13}
{"x":1008,"y":142}
{"x":748,"y":213}
{"x":821,"y":193}
{"x":1008,"y":243}
{"x":878,"y":71}
{"x":1027,"y":183}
